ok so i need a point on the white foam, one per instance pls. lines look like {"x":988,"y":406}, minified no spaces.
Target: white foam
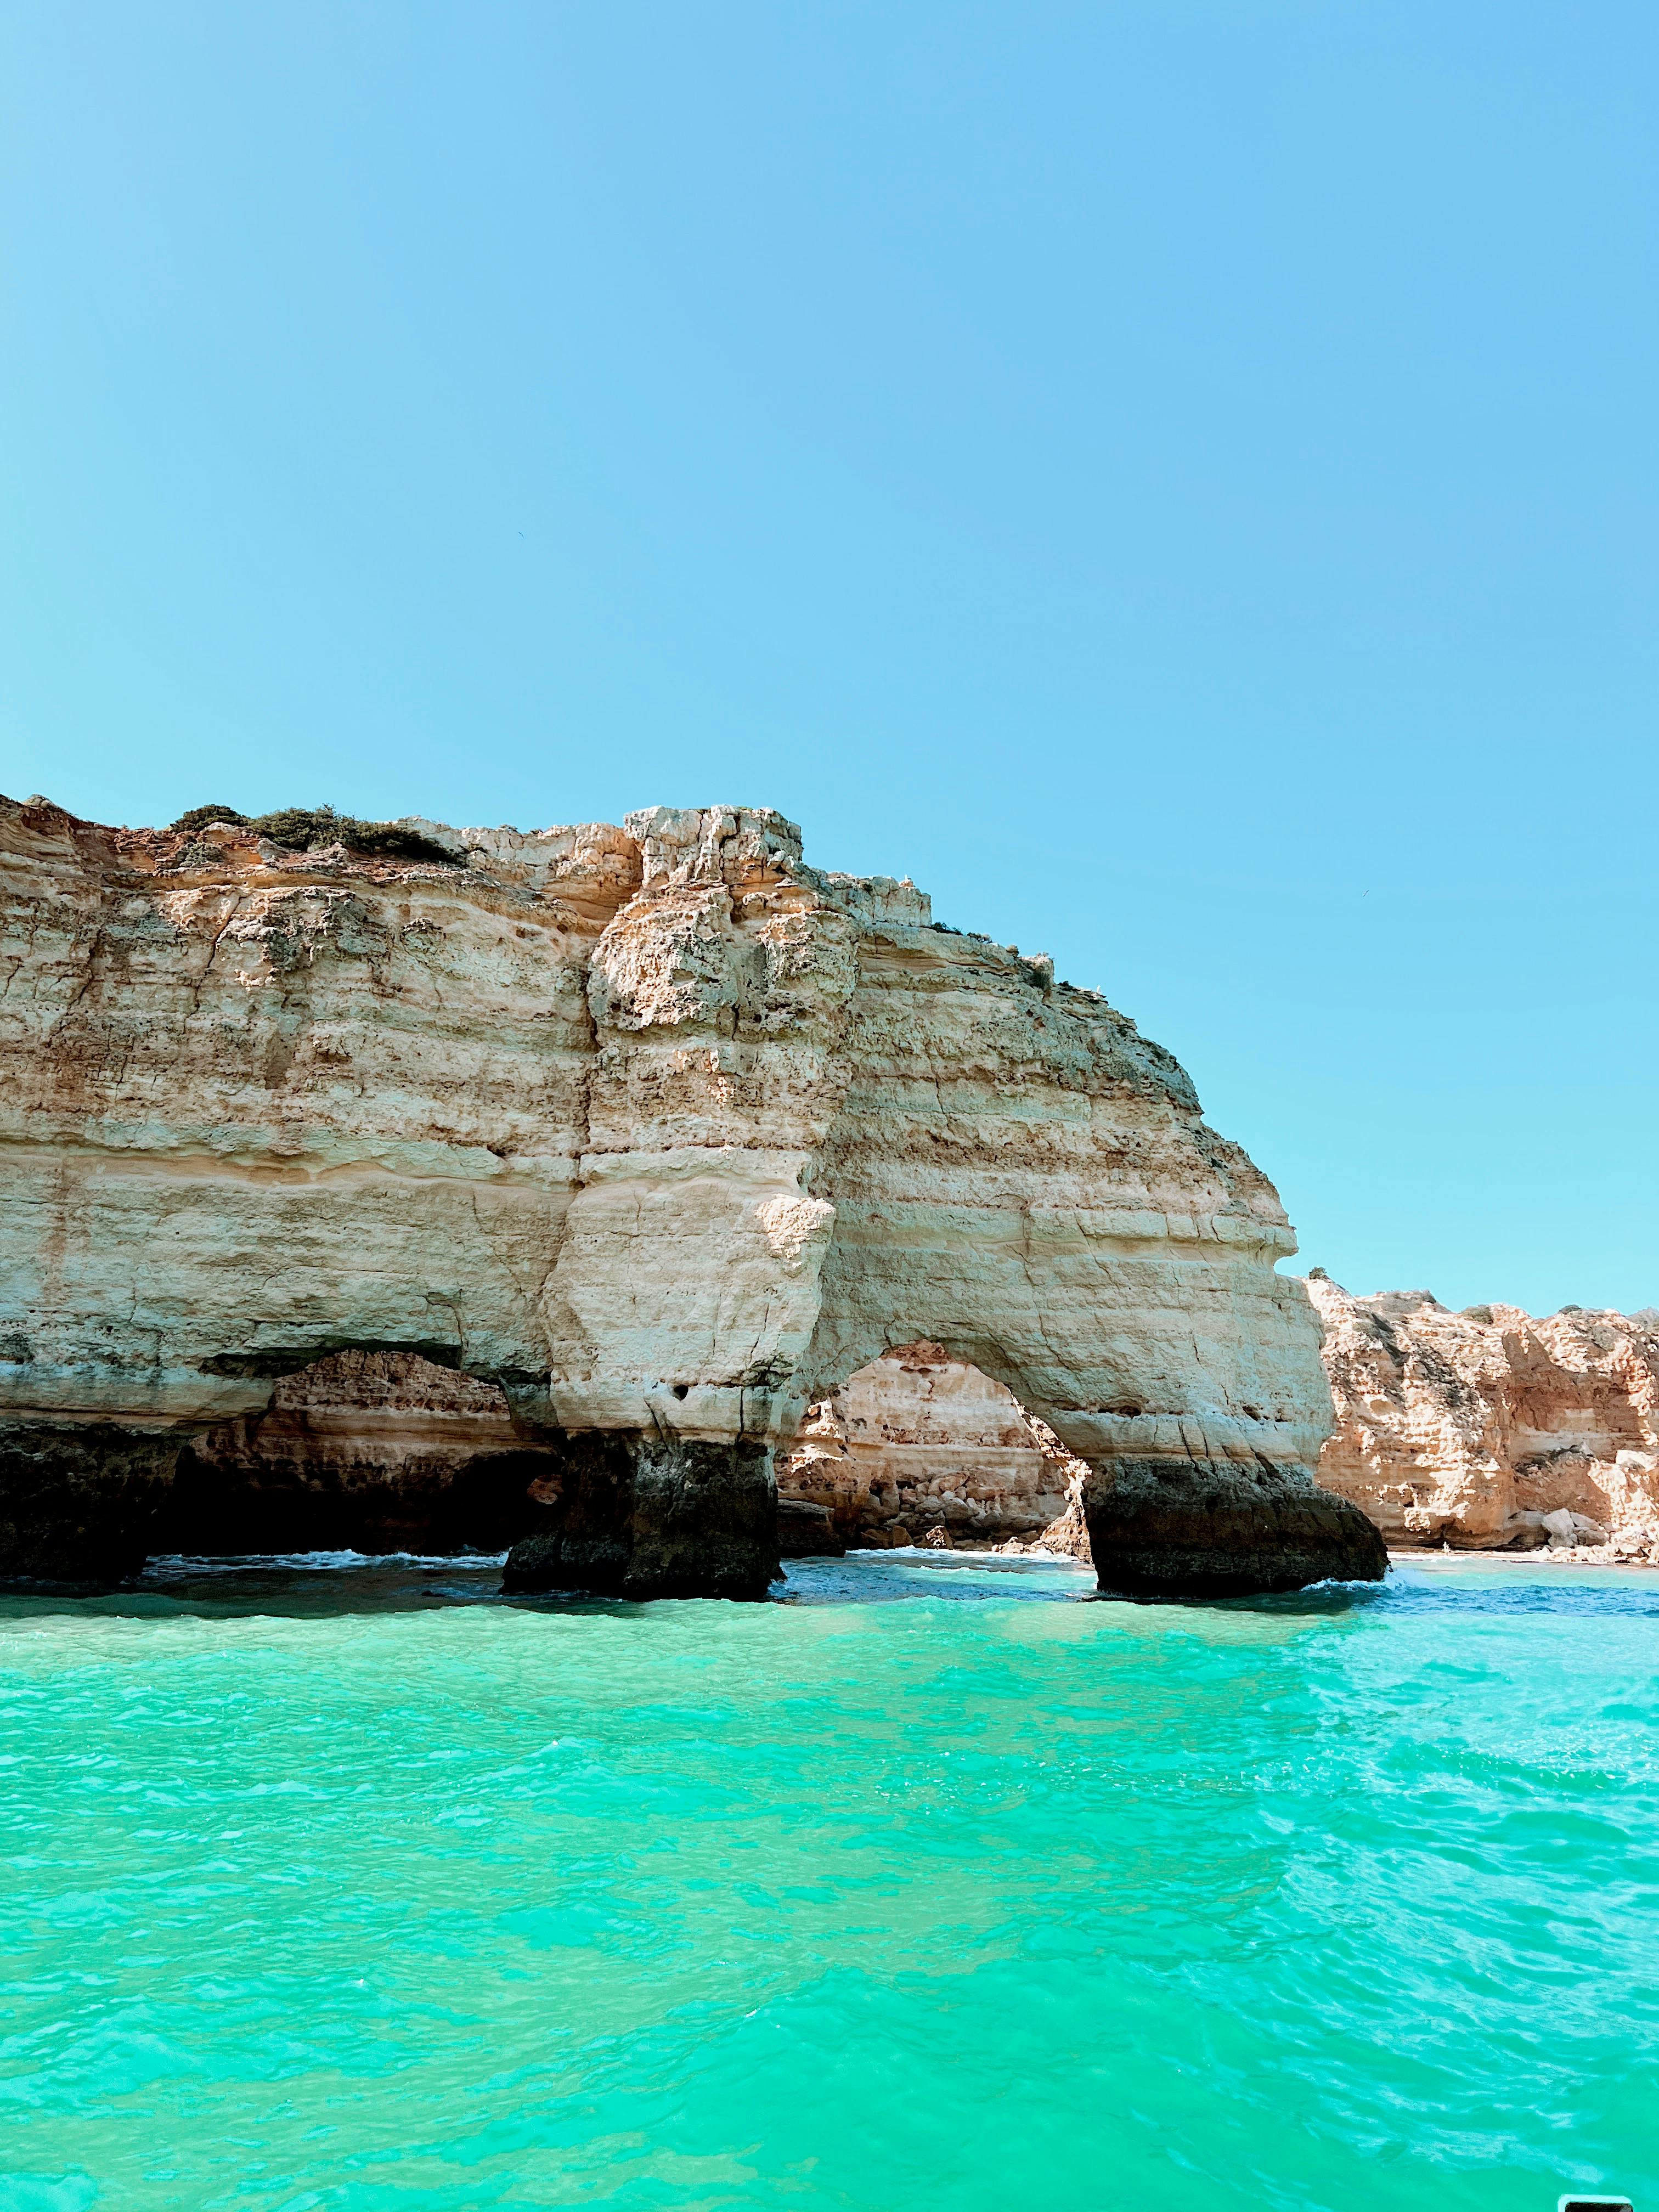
{"x":171,"y":1566}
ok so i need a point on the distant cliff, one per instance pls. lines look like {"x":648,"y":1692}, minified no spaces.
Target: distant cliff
{"x":1488,"y":1429}
{"x":919,"y":1447}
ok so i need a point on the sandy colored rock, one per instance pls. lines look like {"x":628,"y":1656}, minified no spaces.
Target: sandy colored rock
{"x":1482,"y":1429}
{"x":657,"y":1131}
{"x":916,"y":1437}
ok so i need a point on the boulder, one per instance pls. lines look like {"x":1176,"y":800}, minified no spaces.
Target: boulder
{"x":806,"y":1531}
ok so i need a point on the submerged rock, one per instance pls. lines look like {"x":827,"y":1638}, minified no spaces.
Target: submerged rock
{"x":653,"y":1135}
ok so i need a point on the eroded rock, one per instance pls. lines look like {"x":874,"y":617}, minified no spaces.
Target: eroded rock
{"x":1489,"y":1428}
{"x":659,"y":1134}
{"x":918,"y":1435}
{"x":806,"y":1531}
{"x":366,"y":1451}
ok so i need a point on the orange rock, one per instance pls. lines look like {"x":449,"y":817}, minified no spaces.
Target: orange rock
{"x":1479,"y":1429}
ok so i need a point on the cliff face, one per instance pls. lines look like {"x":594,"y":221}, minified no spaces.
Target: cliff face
{"x":1488,"y":1429}
{"x":658,"y":1134}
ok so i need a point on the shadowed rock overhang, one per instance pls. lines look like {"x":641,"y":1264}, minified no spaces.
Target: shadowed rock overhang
{"x":658,"y":1132}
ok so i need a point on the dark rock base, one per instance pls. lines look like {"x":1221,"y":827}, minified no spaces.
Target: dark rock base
{"x":806,"y":1531}
{"x":621,"y":1514}
{"x":83,"y":1508}
{"x":427,"y":1503}
{"x":1211,"y":1528}
{"x":643,"y":1516}
{"x":80,"y":1507}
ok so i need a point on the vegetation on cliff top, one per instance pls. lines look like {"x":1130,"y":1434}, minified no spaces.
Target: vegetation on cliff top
{"x":300,"y":828}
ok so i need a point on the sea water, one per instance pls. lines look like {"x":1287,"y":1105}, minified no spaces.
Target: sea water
{"x":940,"y":1883}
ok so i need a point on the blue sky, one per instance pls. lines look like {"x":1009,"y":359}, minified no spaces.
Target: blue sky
{"x":1177,"y":480}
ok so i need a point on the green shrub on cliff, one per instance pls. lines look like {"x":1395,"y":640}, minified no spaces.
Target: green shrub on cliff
{"x":299,"y":828}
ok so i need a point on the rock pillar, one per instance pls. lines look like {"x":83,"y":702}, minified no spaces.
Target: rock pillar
{"x":1212,"y":1529}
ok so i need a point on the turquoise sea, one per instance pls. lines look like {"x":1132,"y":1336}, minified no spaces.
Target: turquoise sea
{"x":938,"y":1884}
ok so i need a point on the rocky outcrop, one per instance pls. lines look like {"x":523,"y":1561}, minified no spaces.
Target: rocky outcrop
{"x":1067,"y":1533}
{"x":807,"y":1531}
{"x":657,"y":1135}
{"x":1489,"y":1429}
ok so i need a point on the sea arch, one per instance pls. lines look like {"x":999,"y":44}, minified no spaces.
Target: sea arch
{"x":658,"y":1130}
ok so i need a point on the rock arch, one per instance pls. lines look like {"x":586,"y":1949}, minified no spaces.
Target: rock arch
{"x":919,"y":1446}
{"x":364,"y":1450}
{"x":658,"y":1130}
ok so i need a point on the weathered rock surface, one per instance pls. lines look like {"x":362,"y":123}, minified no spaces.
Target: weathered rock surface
{"x":1488,"y":1429}
{"x":918,"y":1440}
{"x":806,"y":1531}
{"x":1068,"y":1532}
{"x":655,"y":1133}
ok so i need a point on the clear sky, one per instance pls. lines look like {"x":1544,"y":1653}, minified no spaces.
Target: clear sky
{"x":1176,"y":479}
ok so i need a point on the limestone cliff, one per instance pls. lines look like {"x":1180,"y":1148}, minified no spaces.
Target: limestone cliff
{"x":657,"y":1133}
{"x":1488,"y":1429}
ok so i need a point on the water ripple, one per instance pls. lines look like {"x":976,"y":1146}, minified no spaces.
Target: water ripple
{"x":941,"y":1883}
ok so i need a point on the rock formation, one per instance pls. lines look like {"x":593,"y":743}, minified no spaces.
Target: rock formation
{"x":656,"y":1135}
{"x":1487,"y":1429}
{"x":365,"y":1451}
{"x":918,"y":1441}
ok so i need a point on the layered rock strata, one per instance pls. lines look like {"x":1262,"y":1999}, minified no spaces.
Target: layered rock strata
{"x":657,"y":1135}
{"x":1489,"y":1429}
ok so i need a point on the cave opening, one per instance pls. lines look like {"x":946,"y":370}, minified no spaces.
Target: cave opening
{"x":375,"y":1451}
{"x":919,"y":1447}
